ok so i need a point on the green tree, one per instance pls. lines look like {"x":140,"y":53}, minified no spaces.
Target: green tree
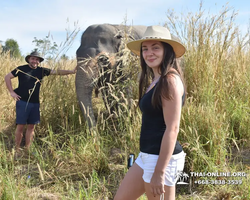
{"x":46,"y":46}
{"x":12,"y":46}
{"x":64,"y":57}
{"x":1,"y":46}
{"x":50,"y":50}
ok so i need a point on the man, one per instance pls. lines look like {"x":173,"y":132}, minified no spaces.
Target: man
{"x":27,"y":95}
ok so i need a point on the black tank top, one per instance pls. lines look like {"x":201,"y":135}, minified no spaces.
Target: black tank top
{"x":153,"y":126}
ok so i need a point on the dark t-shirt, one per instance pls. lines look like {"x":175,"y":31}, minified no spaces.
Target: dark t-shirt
{"x":153,"y":126}
{"x":29,"y":82}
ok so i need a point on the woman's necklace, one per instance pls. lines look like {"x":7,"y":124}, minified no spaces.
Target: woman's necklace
{"x":152,"y":84}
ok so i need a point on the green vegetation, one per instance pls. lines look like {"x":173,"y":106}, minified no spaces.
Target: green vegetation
{"x":68,"y":161}
{"x":11,"y":46}
{"x":45,"y":46}
{"x":52,"y":51}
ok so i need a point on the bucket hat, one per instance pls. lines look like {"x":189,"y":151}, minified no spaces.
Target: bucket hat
{"x":157,"y":33}
{"x":34,"y":54}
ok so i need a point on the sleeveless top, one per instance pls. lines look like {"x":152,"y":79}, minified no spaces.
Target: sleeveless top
{"x":153,"y":126}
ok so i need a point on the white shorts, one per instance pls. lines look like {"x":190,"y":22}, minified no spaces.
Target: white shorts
{"x":148,"y":162}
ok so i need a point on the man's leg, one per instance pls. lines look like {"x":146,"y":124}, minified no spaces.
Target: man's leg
{"x":21,"y":120}
{"x":19,"y":135}
{"x":33,"y":119}
{"x":29,"y":135}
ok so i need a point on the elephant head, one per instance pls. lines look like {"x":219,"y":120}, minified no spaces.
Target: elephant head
{"x":97,"y":53}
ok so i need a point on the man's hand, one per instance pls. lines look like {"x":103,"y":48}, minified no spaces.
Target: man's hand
{"x":15,"y":96}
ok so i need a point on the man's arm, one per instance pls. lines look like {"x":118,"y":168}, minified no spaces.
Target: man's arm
{"x":7,"y":79}
{"x":62,"y":72}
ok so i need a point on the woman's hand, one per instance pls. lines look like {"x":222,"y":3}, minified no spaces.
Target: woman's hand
{"x":157,"y":183}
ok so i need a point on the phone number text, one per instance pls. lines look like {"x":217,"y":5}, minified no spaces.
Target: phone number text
{"x":218,"y":182}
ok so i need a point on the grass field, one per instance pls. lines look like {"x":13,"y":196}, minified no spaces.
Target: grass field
{"x":67,"y":161}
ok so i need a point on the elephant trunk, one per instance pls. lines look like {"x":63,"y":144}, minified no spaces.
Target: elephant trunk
{"x":84,"y":87}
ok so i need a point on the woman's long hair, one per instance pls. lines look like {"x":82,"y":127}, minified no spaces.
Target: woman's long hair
{"x":169,"y":63}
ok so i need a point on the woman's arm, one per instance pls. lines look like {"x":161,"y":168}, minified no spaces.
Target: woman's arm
{"x":172,"y":115}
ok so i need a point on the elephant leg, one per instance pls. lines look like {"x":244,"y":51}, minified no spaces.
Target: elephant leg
{"x":108,"y":89}
{"x":107,"y":99}
{"x":110,"y":97}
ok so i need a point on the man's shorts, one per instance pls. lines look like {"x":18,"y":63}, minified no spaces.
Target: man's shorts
{"x":27,"y":113}
{"x":148,"y":162}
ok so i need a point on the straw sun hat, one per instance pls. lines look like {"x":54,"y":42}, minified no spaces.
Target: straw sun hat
{"x":157,"y":33}
{"x":34,"y":54}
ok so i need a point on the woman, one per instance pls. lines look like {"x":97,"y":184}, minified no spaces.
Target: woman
{"x":161,"y":156}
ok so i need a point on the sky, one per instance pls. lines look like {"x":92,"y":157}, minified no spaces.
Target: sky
{"x":22,"y":20}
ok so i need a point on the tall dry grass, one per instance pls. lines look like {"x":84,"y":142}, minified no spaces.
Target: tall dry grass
{"x":216,"y":117}
{"x":69,"y":161}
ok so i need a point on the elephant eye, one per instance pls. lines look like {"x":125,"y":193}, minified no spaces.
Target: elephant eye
{"x":103,"y":41}
{"x":118,"y":36}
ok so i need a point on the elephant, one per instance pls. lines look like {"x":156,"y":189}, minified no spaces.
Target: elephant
{"x":99,"y":51}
